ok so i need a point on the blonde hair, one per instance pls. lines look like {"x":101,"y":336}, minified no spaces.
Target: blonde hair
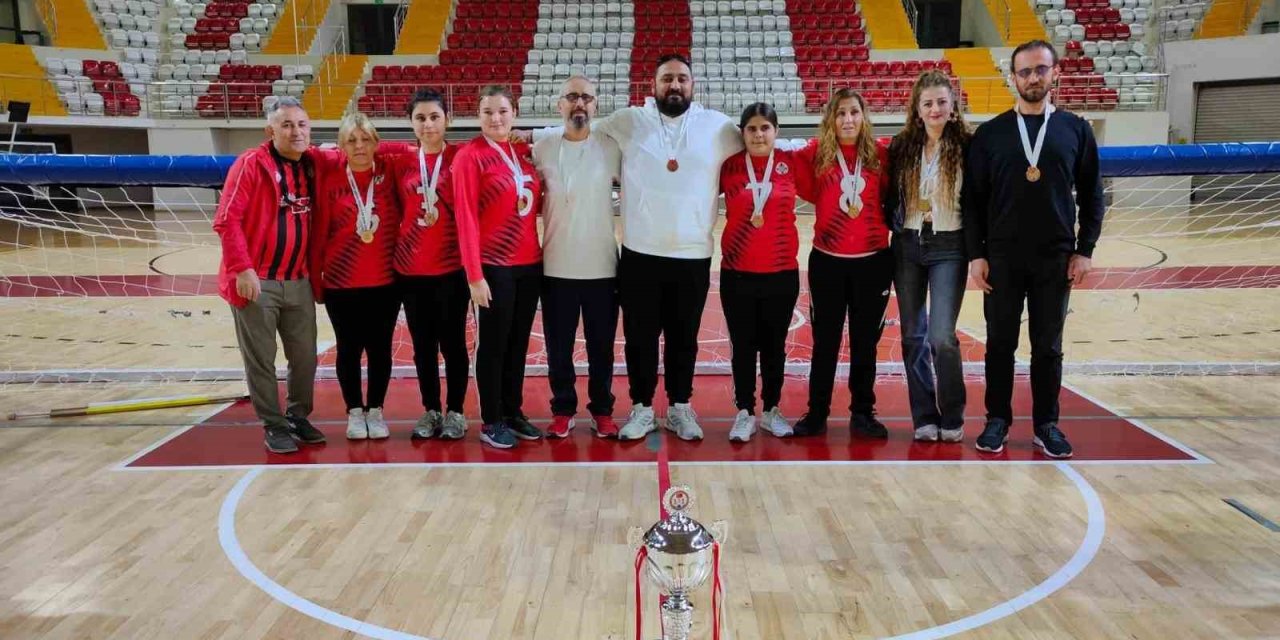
{"x":828,"y":142}
{"x":955,"y":137}
{"x":353,"y":122}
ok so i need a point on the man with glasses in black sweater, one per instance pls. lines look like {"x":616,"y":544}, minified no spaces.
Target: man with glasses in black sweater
{"x":1020,"y":218}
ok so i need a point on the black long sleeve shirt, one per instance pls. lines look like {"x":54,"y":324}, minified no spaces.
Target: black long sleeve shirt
{"x":1005,"y":214}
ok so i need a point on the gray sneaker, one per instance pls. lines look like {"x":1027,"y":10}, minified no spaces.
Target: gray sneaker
{"x":428,"y":425}
{"x":927,"y":433}
{"x":454,"y":427}
{"x":639,"y":424}
{"x":683,"y":422}
{"x":279,"y":440}
{"x":951,"y":435}
{"x":774,"y":422}
{"x":744,"y":426}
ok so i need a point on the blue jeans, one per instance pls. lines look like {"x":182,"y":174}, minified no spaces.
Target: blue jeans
{"x":931,"y":266}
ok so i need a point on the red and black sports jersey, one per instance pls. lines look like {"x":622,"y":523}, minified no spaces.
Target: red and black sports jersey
{"x":425,"y":250}
{"x":833,"y":230}
{"x":343,"y":259}
{"x":264,"y":218}
{"x":773,"y":246}
{"x":490,"y":230}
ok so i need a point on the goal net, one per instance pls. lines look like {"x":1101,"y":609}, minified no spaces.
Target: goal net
{"x":107,"y":270}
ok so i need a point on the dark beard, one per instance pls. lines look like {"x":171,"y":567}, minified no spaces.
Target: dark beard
{"x":1028,"y":96}
{"x":673,"y":110}
{"x":579,"y":120}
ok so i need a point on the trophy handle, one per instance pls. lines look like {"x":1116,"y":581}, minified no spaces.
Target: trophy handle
{"x":635,"y":537}
{"x":720,"y":529}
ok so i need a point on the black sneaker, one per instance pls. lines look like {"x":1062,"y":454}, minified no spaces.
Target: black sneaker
{"x":497,"y":436}
{"x":280,"y":440}
{"x":993,"y":437}
{"x":303,"y":431}
{"x":866,"y":426}
{"x":523,"y":429}
{"x":1052,"y":441}
{"x":810,"y":425}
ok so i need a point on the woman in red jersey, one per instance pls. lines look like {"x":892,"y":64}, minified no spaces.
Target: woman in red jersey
{"x":429,"y":268}
{"x":497,"y":194}
{"x":355,"y":231}
{"x":759,"y":274}
{"x":851,"y":267}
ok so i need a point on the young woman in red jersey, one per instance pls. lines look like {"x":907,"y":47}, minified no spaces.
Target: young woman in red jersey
{"x":354,"y":239}
{"x":759,"y":274}
{"x":497,"y":195}
{"x":429,"y":268}
{"x":851,"y":267}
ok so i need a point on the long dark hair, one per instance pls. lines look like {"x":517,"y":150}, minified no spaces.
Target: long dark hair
{"x":426,"y":94}
{"x":910,"y":142}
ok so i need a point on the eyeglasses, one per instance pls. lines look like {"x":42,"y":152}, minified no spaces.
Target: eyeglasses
{"x":1042,"y":71}
{"x":586,"y":98}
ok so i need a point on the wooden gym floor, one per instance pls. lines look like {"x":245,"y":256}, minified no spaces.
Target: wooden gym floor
{"x":176,"y":524}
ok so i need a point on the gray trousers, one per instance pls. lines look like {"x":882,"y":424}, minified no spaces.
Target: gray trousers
{"x":286,"y":307}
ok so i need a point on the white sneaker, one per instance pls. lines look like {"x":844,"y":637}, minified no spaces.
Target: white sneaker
{"x":951,"y":435}
{"x":639,"y":424}
{"x":927,"y":433}
{"x":377,"y":426}
{"x":684,"y":422}
{"x":774,"y":422}
{"x":357,"y":429}
{"x":744,"y":426}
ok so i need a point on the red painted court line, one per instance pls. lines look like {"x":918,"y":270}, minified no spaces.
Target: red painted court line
{"x":123,"y":286}
{"x":1096,"y":434}
{"x":664,"y":479}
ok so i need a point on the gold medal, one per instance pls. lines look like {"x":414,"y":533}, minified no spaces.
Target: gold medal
{"x":757,"y":221}
{"x":429,"y":216}
{"x":1033,"y":174}
{"x":925,"y":205}
{"x":366,"y":236}
{"x":521,"y":205}
{"x":854,"y":210}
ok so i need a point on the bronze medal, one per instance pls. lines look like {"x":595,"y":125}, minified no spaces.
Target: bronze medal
{"x":1033,"y":174}
{"x":672,"y":165}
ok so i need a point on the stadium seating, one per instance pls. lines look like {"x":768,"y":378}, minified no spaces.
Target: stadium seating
{"x":488,"y":44}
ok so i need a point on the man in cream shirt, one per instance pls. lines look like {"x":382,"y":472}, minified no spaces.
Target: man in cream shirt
{"x":580,"y":259}
{"x":672,"y":149}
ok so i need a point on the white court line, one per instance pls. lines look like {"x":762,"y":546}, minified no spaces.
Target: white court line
{"x":1096,"y":529}
{"x":207,"y":413}
{"x":1094,"y":533}
{"x":231,"y":546}
{"x":1142,"y":425}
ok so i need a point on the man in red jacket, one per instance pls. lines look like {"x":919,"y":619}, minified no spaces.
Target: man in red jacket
{"x":264,"y":219}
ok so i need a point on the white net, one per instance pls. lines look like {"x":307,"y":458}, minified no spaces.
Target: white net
{"x":117,"y":285}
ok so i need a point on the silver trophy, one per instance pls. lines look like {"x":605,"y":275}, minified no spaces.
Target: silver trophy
{"x":679,"y":559}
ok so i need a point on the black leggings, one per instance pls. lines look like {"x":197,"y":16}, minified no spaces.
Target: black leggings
{"x":758,"y":308}
{"x":435,"y":308}
{"x":504,"y":339}
{"x":859,"y":289}
{"x":364,"y":322}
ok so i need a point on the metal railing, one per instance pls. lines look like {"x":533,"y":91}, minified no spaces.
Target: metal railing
{"x":228,"y":101}
{"x":402,"y":12}
{"x":1006,"y":19}
{"x":913,"y":16}
{"x":49,"y":12}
